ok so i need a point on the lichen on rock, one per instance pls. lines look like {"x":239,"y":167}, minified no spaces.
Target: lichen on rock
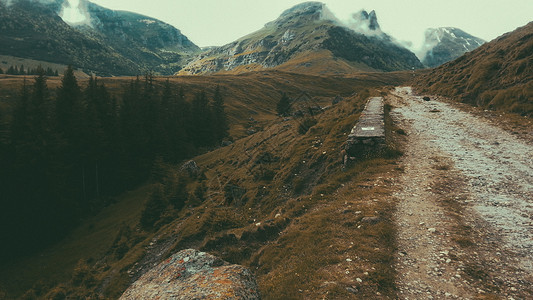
{"x":191,"y":274}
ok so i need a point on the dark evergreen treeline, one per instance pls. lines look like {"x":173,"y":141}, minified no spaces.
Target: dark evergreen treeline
{"x":15,"y":70}
{"x":62,"y":156}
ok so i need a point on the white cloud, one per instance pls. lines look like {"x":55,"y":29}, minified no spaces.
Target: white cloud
{"x":74,"y":12}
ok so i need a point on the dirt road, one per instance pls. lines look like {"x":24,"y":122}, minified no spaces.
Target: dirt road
{"x":465,"y":205}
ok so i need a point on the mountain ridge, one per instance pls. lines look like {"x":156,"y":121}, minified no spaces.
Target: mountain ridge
{"x":110,"y":46}
{"x":306,"y":28}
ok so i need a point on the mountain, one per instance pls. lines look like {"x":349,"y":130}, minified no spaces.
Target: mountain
{"x":365,"y":22}
{"x":91,"y":37}
{"x":309,"y":39}
{"x":497,"y":75}
{"x":444,"y":44}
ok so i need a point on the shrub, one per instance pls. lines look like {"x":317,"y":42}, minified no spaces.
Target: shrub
{"x":233,"y":192}
{"x":81,"y":271}
{"x":179,"y":194}
{"x":306,"y":124}
{"x":154,"y":208}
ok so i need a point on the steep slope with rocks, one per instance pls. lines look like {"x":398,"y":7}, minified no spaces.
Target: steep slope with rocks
{"x":91,"y":37}
{"x":309,"y":39}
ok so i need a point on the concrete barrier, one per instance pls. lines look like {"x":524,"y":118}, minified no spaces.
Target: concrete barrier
{"x":369,"y":132}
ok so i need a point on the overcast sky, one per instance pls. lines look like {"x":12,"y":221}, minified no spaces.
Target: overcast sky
{"x":218,"y":22}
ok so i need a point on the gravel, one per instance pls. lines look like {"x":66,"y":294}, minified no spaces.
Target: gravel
{"x":493,"y":170}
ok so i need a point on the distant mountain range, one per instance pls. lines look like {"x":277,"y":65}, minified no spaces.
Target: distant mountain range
{"x":306,"y":38}
{"x":444,"y":44}
{"x":108,"y":43}
{"x":497,"y":75}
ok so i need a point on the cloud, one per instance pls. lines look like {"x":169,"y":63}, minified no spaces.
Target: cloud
{"x":364,"y":23}
{"x":74,"y":12}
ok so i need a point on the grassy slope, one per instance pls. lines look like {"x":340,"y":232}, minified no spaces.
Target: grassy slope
{"x":497,"y":75}
{"x":90,"y":241}
{"x":302,"y":252}
{"x":305,"y":168}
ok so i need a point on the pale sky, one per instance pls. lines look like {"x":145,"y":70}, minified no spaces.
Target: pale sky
{"x":218,"y":22}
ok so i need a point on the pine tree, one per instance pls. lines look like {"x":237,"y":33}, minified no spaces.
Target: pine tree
{"x":154,"y":207}
{"x":219,"y":123}
{"x":201,"y":120}
{"x":36,"y":177}
{"x":175,"y":111}
{"x":1,"y":71}
{"x":284,"y":105}
{"x":70,"y":111}
{"x":40,"y":102}
{"x":102,"y":139}
{"x":11,"y":71}
{"x":21,"y":70}
{"x":71,"y":127}
{"x":136,"y":159}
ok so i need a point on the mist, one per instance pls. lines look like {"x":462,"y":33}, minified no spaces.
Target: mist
{"x":74,"y":12}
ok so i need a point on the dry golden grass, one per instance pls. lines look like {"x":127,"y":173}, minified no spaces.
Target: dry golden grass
{"x":251,"y":95}
{"x":496,"y":76}
{"x":303,"y":223}
{"x":294,"y":218}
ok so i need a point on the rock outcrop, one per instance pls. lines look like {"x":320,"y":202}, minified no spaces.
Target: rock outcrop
{"x":191,"y":274}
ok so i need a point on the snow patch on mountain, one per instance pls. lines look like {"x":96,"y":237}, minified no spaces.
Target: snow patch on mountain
{"x":445,"y":44}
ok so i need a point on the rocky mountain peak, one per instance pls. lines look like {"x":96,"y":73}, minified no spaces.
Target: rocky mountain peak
{"x":369,"y":18}
{"x":310,"y":7}
{"x":365,"y":23}
{"x":302,"y":14}
{"x":446,"y":43}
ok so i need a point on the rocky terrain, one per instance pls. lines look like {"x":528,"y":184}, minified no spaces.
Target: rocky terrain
{"x":308,"y":38}
{"x":464,"y":210}
{"x":191,"y":274}
{"x":445,"y":44}
{"x":105,"y":42}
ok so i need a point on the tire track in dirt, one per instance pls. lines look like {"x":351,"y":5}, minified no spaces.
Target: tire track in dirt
{"x":462,"y":173}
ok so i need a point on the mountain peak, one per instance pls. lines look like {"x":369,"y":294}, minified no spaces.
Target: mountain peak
{"x":303,"y":13}
{"x":365,"y":23}
{"x":306,"y":8}
{"x":446,"y":43}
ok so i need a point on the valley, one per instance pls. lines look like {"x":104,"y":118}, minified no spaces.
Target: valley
{"x":410,"y":225}
{"x":129,"y":145}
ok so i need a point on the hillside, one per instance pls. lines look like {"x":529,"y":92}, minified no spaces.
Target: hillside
{"x":496,"y":76}
{"x":109,"y":43}
{"x":308,"y":39}
{"x":244,"y":186}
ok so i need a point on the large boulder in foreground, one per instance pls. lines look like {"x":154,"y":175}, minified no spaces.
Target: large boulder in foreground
{"x":191,"y":274}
